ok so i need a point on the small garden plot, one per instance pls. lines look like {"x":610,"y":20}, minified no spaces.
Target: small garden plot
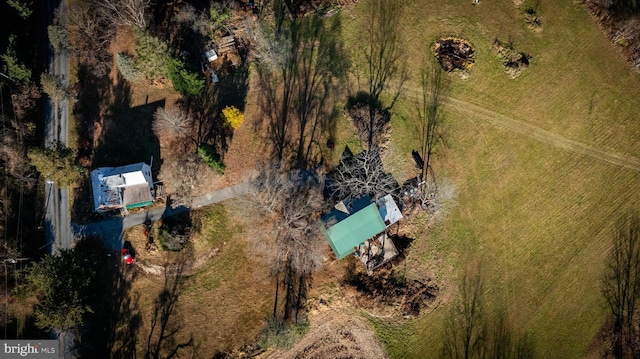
{"x":454,"y":54}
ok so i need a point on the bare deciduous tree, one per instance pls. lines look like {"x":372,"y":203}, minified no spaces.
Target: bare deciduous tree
{"x":293,"y":201}
{"x":14,"y":161}
{"x":171,"y":124}
{"x":382,"y":41}
{"x":197,"y":21}
{"x":621,"y":285}
{"x":94,"y":34}
{"x":24,"y":100}
{"x":438,"y":200}
{"x":361,"y":174}
{"x":430,"y":117}
{"x":180,"y":172}
{"x":271,"y":185}
{"x":271,"y":51}
{"x":125,"y":12}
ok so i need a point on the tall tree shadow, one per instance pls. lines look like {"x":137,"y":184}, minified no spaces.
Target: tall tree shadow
{"x":113,"y":327}
{"x":127,"y":134}
{"x":162,"y":341}
{"x":297,"y":94}
{"x":466,"y":330}
{"x":620,"y":288}
{"x":382,"y":51}
{"x":230,"y":90}
{"x":94,"y":95}
{"x":473,"y":330}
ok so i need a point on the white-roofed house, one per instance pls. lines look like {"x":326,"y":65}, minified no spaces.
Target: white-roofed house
{"x":129,"y":186}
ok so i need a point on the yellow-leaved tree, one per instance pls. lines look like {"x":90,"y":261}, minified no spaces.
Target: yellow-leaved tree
{"x":232,"y":117}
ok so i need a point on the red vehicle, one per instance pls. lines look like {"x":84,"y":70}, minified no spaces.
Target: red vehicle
{"x":126,"y":255}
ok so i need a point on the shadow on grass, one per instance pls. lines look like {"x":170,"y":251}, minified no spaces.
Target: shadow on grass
{"x":112,"y":329}
{"x":93,"y":95}
{"x":474,"y":329}
{"x":162,"y":341}
{"x":127,"y":135}
{"x":298,"y":95}
{"x":231,"y":90}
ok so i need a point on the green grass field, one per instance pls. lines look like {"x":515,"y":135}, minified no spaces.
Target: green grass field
{"x":536,"y":214}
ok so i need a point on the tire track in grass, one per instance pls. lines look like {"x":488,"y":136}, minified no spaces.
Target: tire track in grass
{"x":537,"y":133}
{"x":503,"y":121}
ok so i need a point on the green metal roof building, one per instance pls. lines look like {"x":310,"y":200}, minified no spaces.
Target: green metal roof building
{"x":353,"y":230}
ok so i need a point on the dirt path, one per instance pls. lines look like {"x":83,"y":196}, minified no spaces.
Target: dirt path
{"x":537,"y":133}
{"x":191,"y":266}
{"x":476,"y":111}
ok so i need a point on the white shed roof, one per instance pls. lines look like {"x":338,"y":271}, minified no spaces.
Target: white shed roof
{"x":389,"y":210}
{"x":134,"y":178}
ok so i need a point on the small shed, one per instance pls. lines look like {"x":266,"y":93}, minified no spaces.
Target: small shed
{"x":389,"y":210}
{"x":360,"y":226}
{"x":347,"y":234}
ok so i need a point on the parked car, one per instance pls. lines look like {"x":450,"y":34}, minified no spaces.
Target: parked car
{"x":127,"y":257}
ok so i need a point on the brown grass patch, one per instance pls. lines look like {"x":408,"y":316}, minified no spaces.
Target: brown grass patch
{"x":223,"y":303}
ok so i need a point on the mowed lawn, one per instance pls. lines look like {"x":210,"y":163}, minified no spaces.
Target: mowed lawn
{"x":538,"y":217}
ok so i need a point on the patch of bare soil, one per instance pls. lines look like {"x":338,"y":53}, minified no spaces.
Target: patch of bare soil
{"x":191,"y":267}
{"x":454,"y":54}
{"x":389,"y":292}
{"x":334,"y":333}
{"x":514,"y":62}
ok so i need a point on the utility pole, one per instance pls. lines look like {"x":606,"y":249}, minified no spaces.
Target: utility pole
{"x":7,"y":77}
